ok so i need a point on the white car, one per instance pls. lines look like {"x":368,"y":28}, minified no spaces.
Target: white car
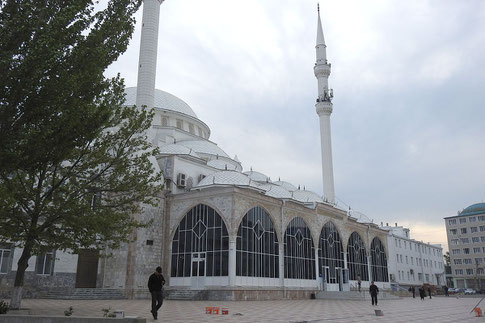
{"x":470,"y":291}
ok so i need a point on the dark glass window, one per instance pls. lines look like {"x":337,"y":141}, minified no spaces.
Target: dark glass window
{"x":299,"y":251}
{"x":357,"y":258}
{"x":44,"y":264}
{"x":201,"y":231}
{"x":378,"y":261}
{"x":5,"y":259}
{"x":330,"y":251}
{"x":257,"y":246}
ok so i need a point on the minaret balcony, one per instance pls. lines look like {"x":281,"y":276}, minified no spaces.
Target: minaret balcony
{"x":321,"y":70}
{"x":324,"y":108}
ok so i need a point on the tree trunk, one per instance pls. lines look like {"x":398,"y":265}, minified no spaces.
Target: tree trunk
{"x":19,"y":277}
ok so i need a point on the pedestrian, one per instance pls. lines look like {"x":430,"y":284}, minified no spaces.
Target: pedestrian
{"x":373,"y":290}
{"x":359,"y":282}
{"x":155,"y":284}
{"x":422,"y":293}
{"x":446,"y":291}
{"x":413,"y":291}
{"x":429,"y":292}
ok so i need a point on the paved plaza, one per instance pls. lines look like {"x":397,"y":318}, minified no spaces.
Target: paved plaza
{"x":438,"y":309}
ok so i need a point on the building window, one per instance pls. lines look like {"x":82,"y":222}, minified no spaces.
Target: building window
{"x":199,"y":131}
{"x":395,"y":240}
{"x":462,"y":220}
{"x":466,"y":251}
{"x":478,"y":260}
{"x":5,"y":259}
{"x":379,"y":261}
{"x":475,"y":239}
{"x":480,"y":271}
{"x":453,"y":231}
{"x":412,"y":261}
{"x":420,"y":276}
{"x":467,"y":261}
{"x":473,"y":229}
{"x":465,"y":240}
{"x":483,"y":249}
{"x":257,"y":246}
{"x":330,"y":253}
{"x":481,"y":218}
{"x":452,"y":221}
{"x":472,"y":219}
{"x":180,"y":124}
{"x":476,"y":250}
{"x":427,"y":277}
{"x":299,"y":251}
{"x":482,"y":228}
{"x":200,"y":246}
{"x":457,"y":261}
{"x":399,"y":243}
{"x":454,"y":241}
{"x":459,"y":271}
{"x":44,"y":264}
{"x":463,"y":230}
{"x":357,"y":258}
{"x":397,"y":258}
{"x":164,"y":121}
{"x":469,"y":271}
{"x":455,"y":251}
{"x":191,"y":128}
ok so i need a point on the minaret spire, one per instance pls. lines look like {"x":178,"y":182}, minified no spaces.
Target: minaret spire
{"x":324,"y":109}
{"x":147,"y":64}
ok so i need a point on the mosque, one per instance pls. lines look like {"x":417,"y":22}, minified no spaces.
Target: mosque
{"x":224,"y":233}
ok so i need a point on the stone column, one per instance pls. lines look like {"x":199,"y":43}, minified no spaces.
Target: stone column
{"x":232,"y":260}
{"x":281,"y":258}
{"x":317,"y":276}
{"x":345,"y":260}
{"x":369,"y":259}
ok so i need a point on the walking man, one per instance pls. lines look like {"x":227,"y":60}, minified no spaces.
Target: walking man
{"x":155,"y":284}
{"x":373,"y":290}
{"x":429,"y":292}
{"x":359,"y":282}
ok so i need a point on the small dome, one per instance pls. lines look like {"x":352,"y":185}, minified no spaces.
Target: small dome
{"x":174,"y":149}
{"x":204,"y":147}
{"x":288,"y":186}
{"x":257,"y":176}
{"x":275,"y":191}
{"x":163,"y":100}
{"x":477,"y":208}
{"x":221,"y":164}
{"x":306,"y":196}
{"x":226,"y":177}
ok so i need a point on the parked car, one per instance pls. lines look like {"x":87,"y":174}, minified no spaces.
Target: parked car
{"x":452,"y":290}
{"x":470,"y":291}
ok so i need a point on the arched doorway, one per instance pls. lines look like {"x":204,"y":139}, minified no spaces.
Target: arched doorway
{"x":200,"y":248}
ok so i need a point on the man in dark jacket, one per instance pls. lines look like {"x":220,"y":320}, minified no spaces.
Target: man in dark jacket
{"x":373,"y":290}
{"x":155,"y":283}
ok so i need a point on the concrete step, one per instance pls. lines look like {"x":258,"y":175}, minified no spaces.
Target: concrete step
{"x":184,"y":294}
{"x":353,"y":295}
{"x":86,"y":293}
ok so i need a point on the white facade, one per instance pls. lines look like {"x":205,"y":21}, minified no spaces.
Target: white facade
{"x":413,"y":262}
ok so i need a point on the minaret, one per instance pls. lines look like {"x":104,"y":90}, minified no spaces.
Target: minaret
{"x":324,"y":109}
{"x":147,"y":64}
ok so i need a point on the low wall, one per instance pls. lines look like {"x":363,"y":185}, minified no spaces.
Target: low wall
{"x":5,"y":318}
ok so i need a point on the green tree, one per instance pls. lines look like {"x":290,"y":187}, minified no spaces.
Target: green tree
{"x":446,"y":256}
{"x":74,"y":162}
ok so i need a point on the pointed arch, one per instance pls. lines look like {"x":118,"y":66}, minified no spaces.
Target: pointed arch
{"x":357,"y":258}
{"x":299,"y":251}
{"x":378,"y":261}
{"x":257,"y":245}
{"x":201,"y":230}
{"x":330,"y":251}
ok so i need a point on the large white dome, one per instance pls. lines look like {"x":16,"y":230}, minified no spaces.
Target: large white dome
{"x":163,"y":100}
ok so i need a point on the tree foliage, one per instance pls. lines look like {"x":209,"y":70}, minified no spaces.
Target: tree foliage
{"x":74,"y":162}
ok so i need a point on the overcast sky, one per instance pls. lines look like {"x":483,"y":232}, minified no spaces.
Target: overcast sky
{"x":408,"y":121}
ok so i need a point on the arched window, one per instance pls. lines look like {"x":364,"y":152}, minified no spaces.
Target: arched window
{"x":202,"y":236}
{"x":357,"y":258}
{"x":299,"y":251}
{"x":378,"y":261}
{"x":330,"y":253}
{"x":257,"y":246}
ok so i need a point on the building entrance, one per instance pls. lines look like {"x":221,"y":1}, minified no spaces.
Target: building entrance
{"x":198,"y":270}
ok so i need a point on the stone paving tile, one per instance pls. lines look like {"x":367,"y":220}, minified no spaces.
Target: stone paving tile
{"x":438,"y":309}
